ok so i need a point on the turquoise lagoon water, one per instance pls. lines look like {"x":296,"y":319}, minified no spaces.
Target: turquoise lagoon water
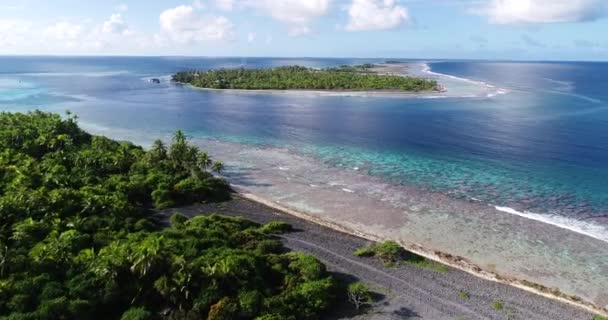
{"x":529,"y":137}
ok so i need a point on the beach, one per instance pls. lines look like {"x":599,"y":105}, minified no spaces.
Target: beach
{"x":502,"y":175}
{"x":406,"y":291}
{"x":451,"y":87}
{"x":468,"y":235}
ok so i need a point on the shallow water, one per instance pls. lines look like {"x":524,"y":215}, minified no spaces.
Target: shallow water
{"x":527,"y":138}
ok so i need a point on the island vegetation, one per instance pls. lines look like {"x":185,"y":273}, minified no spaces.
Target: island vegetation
{"x":78,"y":238}
{"x":343,"y":78}
{"x":390,"y":253}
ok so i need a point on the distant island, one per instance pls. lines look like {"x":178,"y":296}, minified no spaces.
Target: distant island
{"x":342,"y":78}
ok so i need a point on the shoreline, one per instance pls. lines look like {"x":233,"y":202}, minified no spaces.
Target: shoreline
{"x":450,"y":86}
{"x":439,"y":89}
{"x":468,"y":235}
{"x":456,"y":262}
{"x":294,"y":198}
{"x":323,"y":93}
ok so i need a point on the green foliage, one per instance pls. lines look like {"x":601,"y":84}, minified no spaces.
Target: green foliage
{"x":276,"y":227}
{"x":365,"y":252}
{"x":359,"y":295}
{"x":77,"y":240}
{"x":465,"y":295}
{"x":599,"y":318}
{"x":136,"y":314}
{"x":295,"y":77}
{"x":389,"y":251}
{"x":178,"y":219}
{"x":391,"y":254}
{"x":498,"y":305}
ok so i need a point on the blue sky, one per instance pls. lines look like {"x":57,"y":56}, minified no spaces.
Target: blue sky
{"x":487,"y":29}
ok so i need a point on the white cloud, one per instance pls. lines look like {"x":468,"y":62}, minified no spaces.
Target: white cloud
{"x":251,"y":37}
{"x":368,"y":15}
{"x":198,"y":4}
{"x":297,"y":14}
{"x":13,"y":32}
{"x":543,"y":11}
{"x":65,"y":31}
{"x":225,"y":5}
{"x":115,"y":25}
{"x":184,"y":25}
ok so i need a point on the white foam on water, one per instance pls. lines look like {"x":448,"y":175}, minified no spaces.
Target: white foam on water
{"x":589,"y":229}
{"x":283,"y":168}
{"x":348,"y":190}
{"x":426,"y":68}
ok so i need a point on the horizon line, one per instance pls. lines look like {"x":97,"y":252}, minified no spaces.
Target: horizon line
{"x":290,"y":57}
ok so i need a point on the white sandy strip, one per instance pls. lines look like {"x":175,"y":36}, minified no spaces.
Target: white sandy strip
{"x":460,"y":264}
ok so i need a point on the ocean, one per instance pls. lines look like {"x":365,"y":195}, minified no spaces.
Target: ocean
{"x":526,"y":140}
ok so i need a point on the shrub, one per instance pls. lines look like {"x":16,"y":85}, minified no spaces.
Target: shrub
{"x":359,"y":295}
{"x":225,"y":309}
{"x":498,"y":305}
{"x":136,"y":314}
{"x":276,"y":227}
{"x":391,"y":253}
{"x":178,"y":219}
{"x":464,"y":295}
{"x":365,"y":252}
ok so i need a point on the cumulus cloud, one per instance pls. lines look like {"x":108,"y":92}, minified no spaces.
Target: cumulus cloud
{"x":543,"y":11}
{"x":65,"y":31}
{"x":225,"y":5}
{"x":115,"y":25}
{"x":366,"y":15}
{"x":13,"y":32}
{"x":184,"y":25}
{"x":297,"y":14}
{"x":198,"y":4}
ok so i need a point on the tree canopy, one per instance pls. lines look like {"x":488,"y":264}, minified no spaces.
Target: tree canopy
{"x":352,"y":78}
{"x":77,"y":238}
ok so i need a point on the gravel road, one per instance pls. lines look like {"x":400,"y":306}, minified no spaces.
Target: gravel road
{"x":406,"y":291}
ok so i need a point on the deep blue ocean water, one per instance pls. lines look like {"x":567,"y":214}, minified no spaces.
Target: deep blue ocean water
{"x":542,"y":147}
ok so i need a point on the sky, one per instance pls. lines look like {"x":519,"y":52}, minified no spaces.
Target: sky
{"x":424,"y":29}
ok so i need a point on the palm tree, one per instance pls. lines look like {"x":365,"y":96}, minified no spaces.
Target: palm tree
{"x":145,"y":256}
{"x":204,"y":161}
{"x":159,"y":150}
{"x":218,"y":167}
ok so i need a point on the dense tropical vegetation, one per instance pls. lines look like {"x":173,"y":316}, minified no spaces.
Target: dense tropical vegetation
{"x":356,"y":78}
{"x":78,"y":241}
